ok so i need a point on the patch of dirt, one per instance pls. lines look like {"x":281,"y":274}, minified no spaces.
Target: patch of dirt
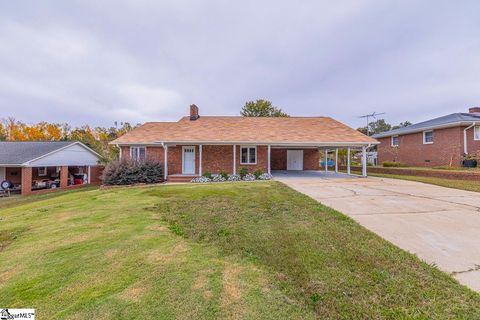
{"x":133,"y":293}
{"x":168,"y":256}
{"x":157,"y":228}
{"x":111,"y":253}
{"x":232,"y":294}
{"x":7,"y":275}
{"x":201,"y":284}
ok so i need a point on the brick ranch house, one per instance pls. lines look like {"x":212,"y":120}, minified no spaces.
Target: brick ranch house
{"x":196,"y":144}
{"x":441,"y":141}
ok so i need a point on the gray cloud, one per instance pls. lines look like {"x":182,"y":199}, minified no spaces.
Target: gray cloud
{"x":98,"y":62}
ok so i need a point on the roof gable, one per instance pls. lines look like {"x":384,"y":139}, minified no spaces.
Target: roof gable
{"x":21,"y":152}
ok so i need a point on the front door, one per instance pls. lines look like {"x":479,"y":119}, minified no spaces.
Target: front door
{"x":294,"y":159}
{"x":188,"y":161}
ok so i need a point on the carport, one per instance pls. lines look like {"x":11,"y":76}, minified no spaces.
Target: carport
{"x":28,"y":167}
{"x":294,"y":158}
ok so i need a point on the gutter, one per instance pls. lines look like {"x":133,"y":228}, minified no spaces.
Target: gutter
{"x":465,"y":149}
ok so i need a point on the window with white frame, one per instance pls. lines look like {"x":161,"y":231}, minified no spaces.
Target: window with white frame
{"x":138,"y":153}
{"x":248,"y":155}
{"x":394,"y":141}
{"x":428,"y":137}
{"x":42,"y":171}
{"x":476,"y":133}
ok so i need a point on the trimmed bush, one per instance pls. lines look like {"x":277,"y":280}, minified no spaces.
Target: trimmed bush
{"x":243,"y":172}
{"x":391,"y":164}
{"x":224,"y":174}
{"x":127,"y":172}
{"x":207,"y":174}
{"x":257,"y":173}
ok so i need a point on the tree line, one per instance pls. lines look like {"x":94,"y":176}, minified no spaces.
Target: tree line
{"x":96,"y":138}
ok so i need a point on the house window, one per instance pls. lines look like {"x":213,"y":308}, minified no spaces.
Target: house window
{"x":137,"y":153}
{"x":42,"y":172}
{"x":427,"y":137}
{"x":476,"y":133}
{"x":248,"y":155}
{"x":394,"y":141}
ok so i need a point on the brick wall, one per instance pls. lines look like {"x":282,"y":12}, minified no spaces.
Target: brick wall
{"x":446,"y":149}
{"x":473,"y":146}
{"x":14,"y":175}
{"x":262,"y":160}
{"x":311,"y":159}
{"x":217,"y":158}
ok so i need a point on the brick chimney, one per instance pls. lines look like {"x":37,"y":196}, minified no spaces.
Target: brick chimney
{"x":194,"y":112}
{"x":474,"y":110}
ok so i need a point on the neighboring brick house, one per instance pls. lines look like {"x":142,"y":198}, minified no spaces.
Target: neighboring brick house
{"x":442,"y":141}
{"x":197,"y":144}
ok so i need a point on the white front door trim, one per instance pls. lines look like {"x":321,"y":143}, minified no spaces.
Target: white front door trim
{"x":295,"y":160}
{"x":188,"y":160}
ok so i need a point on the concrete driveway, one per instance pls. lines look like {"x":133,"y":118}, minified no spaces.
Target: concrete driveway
{"x":440,"y":225}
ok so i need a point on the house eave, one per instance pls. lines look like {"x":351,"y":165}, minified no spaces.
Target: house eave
{"x":417,"y":130}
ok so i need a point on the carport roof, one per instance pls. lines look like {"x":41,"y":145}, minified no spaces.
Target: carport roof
{"x":18,"y":153}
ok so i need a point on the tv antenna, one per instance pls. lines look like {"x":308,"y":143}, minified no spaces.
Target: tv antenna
{"x":371,"y":115}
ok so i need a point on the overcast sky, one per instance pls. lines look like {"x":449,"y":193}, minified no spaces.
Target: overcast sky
{"x":97,"y":62}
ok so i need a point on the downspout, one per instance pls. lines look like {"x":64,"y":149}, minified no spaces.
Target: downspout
{"x":465,"y":149}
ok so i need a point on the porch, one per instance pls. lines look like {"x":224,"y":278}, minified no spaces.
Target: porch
{"x":185,"y":162}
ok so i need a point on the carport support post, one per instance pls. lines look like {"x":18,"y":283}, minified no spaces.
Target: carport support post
{"x":348,"y":161}
{"x":200,"y":160}
{"x":165,"y":162}
{"x":64,"y":177}
{"x":364,"y":161}
{"x":268,"y":156}
{"x":26,"y":181}
{"x":326,"y":160}
{"x":336,"y":160}
{"x":89,"y":171}
{"x":234,"y":159}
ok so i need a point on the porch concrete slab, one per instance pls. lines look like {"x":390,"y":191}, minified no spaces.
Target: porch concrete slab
{"x":440,"y":225}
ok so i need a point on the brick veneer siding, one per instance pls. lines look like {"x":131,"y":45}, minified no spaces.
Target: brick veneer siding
{"x":311,"y":159}
{"x":446,"y":149}
{"x":473,"y":146}
{"x":26,"y":181}
{"x":216,"y":158}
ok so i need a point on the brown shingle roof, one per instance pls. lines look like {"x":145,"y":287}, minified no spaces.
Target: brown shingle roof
{"x":291,"y":130}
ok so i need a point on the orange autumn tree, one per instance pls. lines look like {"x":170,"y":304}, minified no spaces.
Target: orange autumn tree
{"x":96,"y":138}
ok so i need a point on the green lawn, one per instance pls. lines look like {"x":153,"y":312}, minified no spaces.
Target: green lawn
{"x":231,"y":250}
{"x":468,"y":185}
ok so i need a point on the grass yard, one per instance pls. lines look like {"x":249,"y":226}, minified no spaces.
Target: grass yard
{"x":468,"y":185}
{"x":231,"y":250}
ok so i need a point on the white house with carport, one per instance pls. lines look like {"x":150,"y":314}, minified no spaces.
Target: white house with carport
{"x":28,"y":166}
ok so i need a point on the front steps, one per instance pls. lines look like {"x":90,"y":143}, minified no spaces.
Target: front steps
{"x":180,"y":178}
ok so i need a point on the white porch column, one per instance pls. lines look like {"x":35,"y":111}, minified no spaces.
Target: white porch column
{"x":326,"y":160}
{"x":336,"y":160}
{"x":348,"y":161}
{"x":364,"y":161}
{"x":269,"y":157}
{"x":165,"y":161}
{"x":89,"y":179}
{"x":200,"y":160}
{"x":234,"y":159}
